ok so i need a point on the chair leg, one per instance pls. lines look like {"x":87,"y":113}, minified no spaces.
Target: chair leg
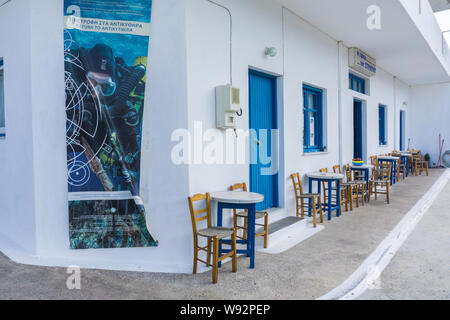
{"x":234,"y":248}
{"x":345,"y":199}
{"x":208,"y":258}
{"x":375,"y":187}
{"x":362,"y":195}
{"x":314,"y":212}
{"x":320,"y":209}
{"x":195,"y":258}
{"x":266,"y":231}
{"x":387,"y":192}
{"x":350,"y":197}
{"x":303,"y":208}
{"x":357,"y":196}
{"x":215,"y":271}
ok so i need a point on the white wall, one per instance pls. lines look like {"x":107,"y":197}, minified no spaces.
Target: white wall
{"x":17,"y":205}
{"x":309,"y":56}
{"x":33,"y":206}
{"x":189,"y":56}
{"x":430,"y":116}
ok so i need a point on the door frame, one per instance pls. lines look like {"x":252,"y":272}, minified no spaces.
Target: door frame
{"x":402,"y":130}
{"x":363,"y":127}
{"x":277,"y":124}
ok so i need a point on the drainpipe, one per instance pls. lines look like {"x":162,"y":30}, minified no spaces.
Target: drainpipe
{"x":340,"y":95}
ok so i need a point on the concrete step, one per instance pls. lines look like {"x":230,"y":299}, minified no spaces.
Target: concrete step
{"x":281,"y":229}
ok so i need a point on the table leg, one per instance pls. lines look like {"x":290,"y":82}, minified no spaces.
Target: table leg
{"x":330,"y":199}
{"x":338,"y":197}
{"x":251,"y":233}
{"x":367,"y":177}
{"x":310,"y":186}
{"x":395,"y":171}
{"x":392,"y":172}
{"x":406,"y":159}
{"x":219,"y":224}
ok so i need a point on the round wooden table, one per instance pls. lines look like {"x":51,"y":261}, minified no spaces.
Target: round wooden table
{"x":244,"y":201}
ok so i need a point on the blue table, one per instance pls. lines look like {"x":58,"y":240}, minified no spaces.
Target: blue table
{"x":329,"y":178}
{"x":242,"y":201}
{"x":393,"y":161}
{"x":363,"y":169}
{"x":405,"y":159}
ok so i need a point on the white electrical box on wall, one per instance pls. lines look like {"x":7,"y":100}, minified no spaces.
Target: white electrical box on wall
{"x":228,"y":103}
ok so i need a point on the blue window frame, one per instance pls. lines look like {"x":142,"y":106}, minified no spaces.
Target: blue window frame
{"x":313,"y":117}
{"x":357,"y":83}
{"x":382,"y":124}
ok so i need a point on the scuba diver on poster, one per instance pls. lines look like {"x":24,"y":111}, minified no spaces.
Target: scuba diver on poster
{"x":111,"y":118}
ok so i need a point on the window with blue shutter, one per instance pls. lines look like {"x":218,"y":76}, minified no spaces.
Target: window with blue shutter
{"x":382,"y":124}
{"x":357,"y":83}
{"x":313,"y":117}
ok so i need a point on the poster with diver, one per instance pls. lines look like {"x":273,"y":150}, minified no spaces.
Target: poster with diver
{"x":105,"y":54}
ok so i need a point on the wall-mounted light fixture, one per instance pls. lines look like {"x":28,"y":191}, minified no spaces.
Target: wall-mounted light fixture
{"x":270,"y":52}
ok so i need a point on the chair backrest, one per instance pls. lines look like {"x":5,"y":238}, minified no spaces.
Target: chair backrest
{"x":239,"y":187}
{"x":337,"y":169}
{"x":297,"y":181}
{"x":383,"y":171}
{"x":202,"y":213}
{"x":324,"y":170}
{"x":374,"y":160}
{"x":348,"y":173}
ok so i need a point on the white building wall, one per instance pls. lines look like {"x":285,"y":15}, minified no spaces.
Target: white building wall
{"x":430,"y":116}
{"x":306,"y":55}
{"x":17,"y":205}
{"x":189,"y":56}
{"x":33,"y":206}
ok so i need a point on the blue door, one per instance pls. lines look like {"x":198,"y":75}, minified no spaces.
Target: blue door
{"x":263,"y":106}
{"x":402,"y":130}
{"x":358,"y":131}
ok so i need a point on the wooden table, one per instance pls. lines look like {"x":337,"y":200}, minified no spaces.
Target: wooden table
{"x":244,"y":201}
{"x":364,"y":168}
{"x":328,"y":177}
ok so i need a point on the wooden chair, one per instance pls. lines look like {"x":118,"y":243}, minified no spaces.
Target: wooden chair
{"x":380,"y":183}
{"x":420,"y":164}
{"x":346,"y":190}
{"x":401,"y":165}
{"x":213,"y":236}
{"x":374,"y":160}
{"x":244,"y":216}
{"x":357,"y":188}
{"x":306,"y":203}
{"x":359,"y":179}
